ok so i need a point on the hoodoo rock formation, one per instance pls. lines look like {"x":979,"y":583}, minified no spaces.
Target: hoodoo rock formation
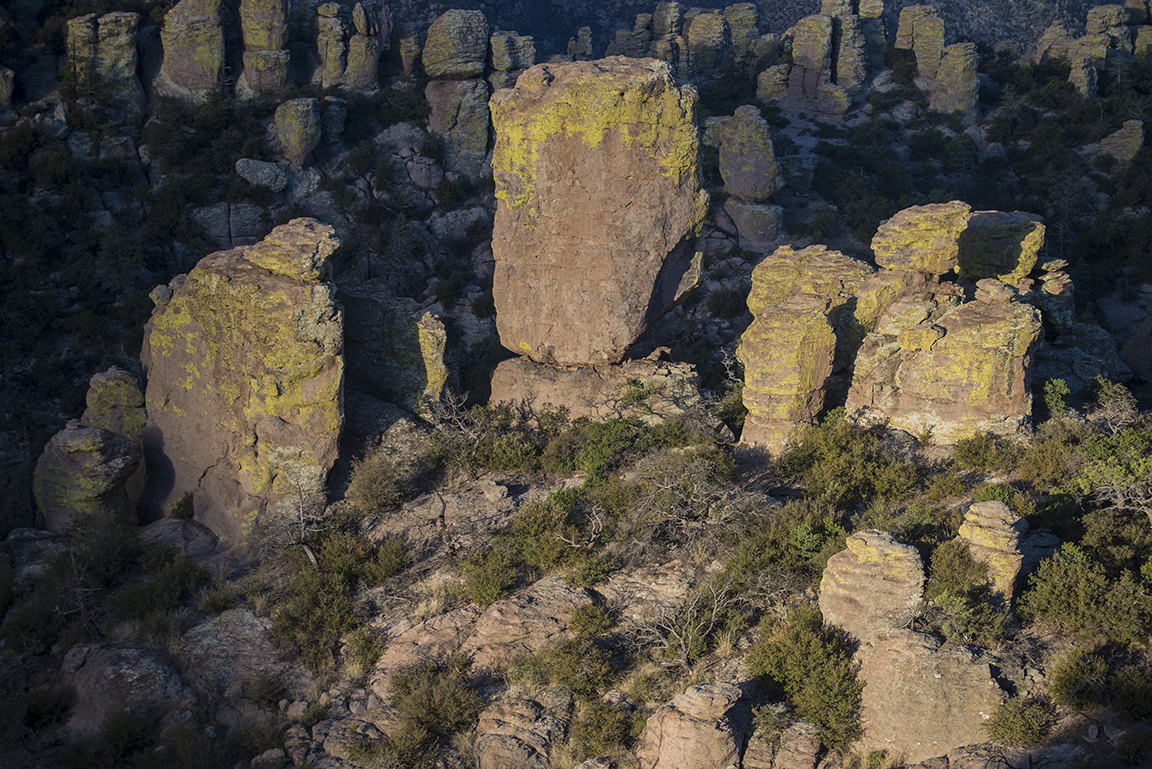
{"x":245,"y":374}
{"x":585,"y":263}
{"x":871,"y":590}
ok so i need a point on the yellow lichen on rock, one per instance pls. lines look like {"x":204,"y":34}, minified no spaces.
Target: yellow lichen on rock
{"x":993,"y":534}
{"x":922,"y":238}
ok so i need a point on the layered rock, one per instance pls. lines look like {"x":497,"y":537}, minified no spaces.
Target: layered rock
{"x":957,"y":86}
{"x":994,"y":534}
{"x":921,"y":699}
{"x":811,"y":58}
{"x":651,"y":391}
{"x":851,"y":58}
{"x":520,"y":733}
{"x":82,"y":476}
{"x":102,"y":57}
{"x":700,"y":727}
{"x":245,"y":374}
{"x":457,"y":46}
{"x":512,"y":52}
{"x":709,"y":42}
{"x":264,"y":30}
{"x":193,"y":40}
{"x":922,"y":238}
{"x":585,"y":261}
{"x":921,"y":30}
{"x":331,"y":45}
{"x":115,"y":403}
{"x":395,"y":347}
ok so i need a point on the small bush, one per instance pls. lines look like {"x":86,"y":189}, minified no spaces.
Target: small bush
{"x":812,"y":665}
{"x":986,"y":452}
{"x":364,"y":648}
{"x":182,"y":508}
{"x":728,"y":302}
{"x":266,"y":691}
{"x":590,"y":620}
{"x":599,"y":729}
{"x":489,"y":577}
{"x":174,"y":576}
{"x":1132,"y":691}
{"x":1020,"y":722}
{"x":376,"y":484}
{"x":577,"y":664}
{"x":390,"y":559}
{"x":588,"y":570}
{"x":1078,"y":679}
{"x":217,"y":600}
{"x":435,"y":698}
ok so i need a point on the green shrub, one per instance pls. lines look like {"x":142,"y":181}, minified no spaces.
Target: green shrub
{"x":364,"y":648}
{"x":728,"y":302}
{"x":577,"y":664}
{"x":1055,"y":391}
{"x":599,"y":729}
{"x":986,"y":452}
{"x":1078,"y":679}
{"x":1132,"y":691}
{"x":217,"y":600}
{"x":435,"y":698}
{"x":1019,"y":722}
{"x":812,"y":665}
{"x":265,"y":690}
{"x":488,"y":577}
{"x":182,"y":508}
{"x":174,"y":576}
{"x":376,"y":484}
{"x":590,"y":620}
{"x":317,"y":613}
{"x":594,"y":448}
{"x":587,"y":570}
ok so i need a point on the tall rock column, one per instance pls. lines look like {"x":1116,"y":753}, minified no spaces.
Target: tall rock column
{"x":957,"y":85}
{"x":811,"y":58}
{"x":193,"y":39}
{"x":748,"y":167}
{"x":102,"y":57}
{"x":243,"y":357}
{"x":598,"y":206}
{"x":264,"y":29}
{"x":454,"y":57}
{"x":921,"y":30}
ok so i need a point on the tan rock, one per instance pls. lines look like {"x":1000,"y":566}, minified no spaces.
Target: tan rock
{"x":811,"y":58}
{"x":772,"y":83}
{"x":922,"y":238}
{"x":433,"y":639}
{"x":851,"y":56}
{"x":694,"y":730}
{"x":758,"y":225}
{"x":586,"y":261}
{"x":993,"y":534}
{"x":744,"y":27}
{"x":298,"y":129}
{"x":525,"y":623}
{"x":747,"y":158}
{"x":957,"y":85}
{"x":519,"y":734}
{"x":264,"y":24}
{"x":511,"y":52}
{"x":1125,"y":143}
{"x":83,"y":475}
{"x":459,"y":115}
{"x":1000,"y":245}
{"x":116,"y":404}
{"x":787,"y":354}
{"x":265,"y":74}
{"x":709,"y":42}
{"x":872,"y":586}
{"x":245,"y":377}
{"x":195,"y":539}
{"x":193,"y":40}
{"x":102,"y":58}
{"x":652,"y":391}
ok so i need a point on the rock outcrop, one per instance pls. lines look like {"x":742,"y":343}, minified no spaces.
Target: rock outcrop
{"x":459,"y":116}
{"x":193,"y":39}
{"x":457,"y":46}
{"x":585,"y":261}
{"x":1000,"y":245}
{"x":101,"y":57}
{"x":703,"y":726}
{"x":298,"y":129}
{"x":921,"y":30}
{"x":243,"y":358}
{"x":1125,"y":143}
{"x":957,"y":86}
{"x":116,"y":404}
{"x":264,"y":31}
{"x":747,"y":158}
{"x":83,"y":475}
{"x":994,"y":535}
{"x":520,"y":733}
{"x":921,"y":699}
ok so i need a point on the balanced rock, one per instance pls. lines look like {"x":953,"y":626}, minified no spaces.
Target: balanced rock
{"x":957,"y":85}
{"x":512,"y":52}
{"x":599,"y":206}
{"x":264,"y":24}
{"x":298,"y":129}
{"x":747,"y":158}
{"x":116,"y":404}
{"x":709,"y":42}
{"x":457,"y":46}
{"x":921,"y":698}
{"x":787,"y":355}
{"x":82,"y":474}
{"x":245,"y":373}
{"x":922,"y":238}
{"x":698,"y":728}
{"x":193,"y":40}
{"x":993,"y":534}
{"x":1125,"y":143}
{"x":758,"y":225}
{"x":1000,"y":245}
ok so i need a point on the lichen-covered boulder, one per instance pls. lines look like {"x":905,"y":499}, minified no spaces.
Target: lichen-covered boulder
{"x":922,"y":238}
{"x":957,"y":85}
{"x":193,"y":40}
{"x":361,"y":72}
{"x":82,"y":475}
{"x":395,"y":347}
{"x":264,"y":24}
{"x":457,"y":46}
{"x":872,"y":586}
{"x":512,"y":52}
{"x":598,"y":206}
{"x":1125,"y":143}
{"x":921,"y":30}
{"x":811,"y":58}
{"x":700,"y":727}
{"x":520,"y":733}
{"x":744,"y":28}
{"x":957,"y":373}
{"x":993,"y":533}
{"x":772,"y":83}
{"x":243,"y":358}
{"x":787,"y":354}
{"x":747,"y":158}
{"x":298,"y":129}
{"x":758,"y":224}
{"x":262,"y":174}
{"x":459,"y":114}
{"x":116,"y":404}
{"x":1000,"y":245}
{"x":265,"y":74}
{"x":709,"y":42}
{"x":1084,"y":76}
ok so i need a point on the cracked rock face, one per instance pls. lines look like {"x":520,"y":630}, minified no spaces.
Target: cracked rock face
{"x":599,"y":206}
{"x":244,"y":360}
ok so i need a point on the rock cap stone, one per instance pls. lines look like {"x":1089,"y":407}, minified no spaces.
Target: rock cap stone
{"x":299,"y":249}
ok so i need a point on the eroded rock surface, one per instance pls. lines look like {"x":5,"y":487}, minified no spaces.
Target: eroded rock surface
{"x":245,"y":373}
{"x":585,"y":261}
{"x":994,"y":534}
{"x":115,"y":679}
{"x":698,"y":728}
{"x":193,"y":39}
{"x":83,"y":474}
